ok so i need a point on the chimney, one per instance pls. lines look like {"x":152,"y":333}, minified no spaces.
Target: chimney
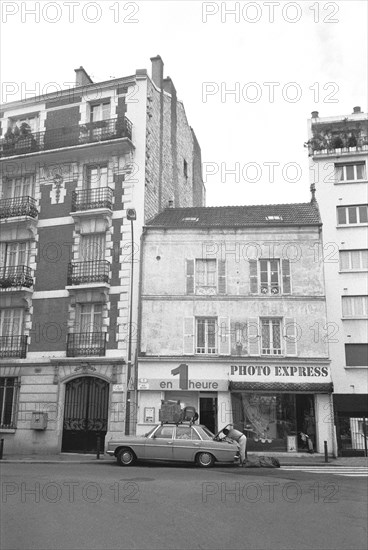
{"x":356,"y":110}
{"x":315,"y":114}
{"x":82,"y":78}
{"x":168,"y":86}
{"x":157,"y":70}
{"x":313,"y":192}
{"x":171,"y":203}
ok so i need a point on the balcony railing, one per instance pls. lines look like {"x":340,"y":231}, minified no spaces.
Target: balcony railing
{"x":321,"y":144}
{"x":13,"y":346}
{"x":15,"y":276}
{"x":66,"y":136}
{"x":80,"y":273}
{"x":18,"y":206}
{"x":89,"y":199}
{"x":84,"y":344}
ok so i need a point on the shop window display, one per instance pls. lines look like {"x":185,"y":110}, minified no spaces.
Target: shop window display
{"x":268,"y":419}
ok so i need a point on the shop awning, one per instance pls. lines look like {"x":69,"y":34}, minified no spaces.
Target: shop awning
{"x":280,"y":387}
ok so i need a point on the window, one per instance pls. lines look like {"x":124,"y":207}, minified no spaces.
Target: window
{"x":356,"y":355}
{"x":205,"y":276}
{"x":270,"y":274}
{"x":90,"y":318}
{"x":186,"y":432}
{"x":348,"y":215}
{"x":96,"y":177}
{"x":354,"y":260}
{"x":352,"y":171}
{"x":100,"y":111}
{"x":33,"y":122}
{"x":8,"y":399}
{"x":11,"y":322}
{"x":271,"y":336}
{"x":18,"y":187}
{"x":92,"y":247}
{"x":206,"y":336}
{"x":354,"y":306}
{"x":14,"y":254}
{"x":165,"y":432}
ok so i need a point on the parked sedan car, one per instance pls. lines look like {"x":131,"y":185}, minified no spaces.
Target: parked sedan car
{"x":174,"y":442}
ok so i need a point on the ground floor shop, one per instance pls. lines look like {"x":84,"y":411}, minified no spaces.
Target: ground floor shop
{"x":351,"y":421}
{"x":61,"y":406}
{"x":280,"y":405}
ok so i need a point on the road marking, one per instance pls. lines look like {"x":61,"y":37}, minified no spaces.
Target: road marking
{"x":346,"y":471}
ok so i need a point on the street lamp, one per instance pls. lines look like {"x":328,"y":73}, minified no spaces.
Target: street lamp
{"x":131,"y":216}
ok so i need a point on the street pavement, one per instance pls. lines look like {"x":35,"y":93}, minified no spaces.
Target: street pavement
{"x":72,"y":506}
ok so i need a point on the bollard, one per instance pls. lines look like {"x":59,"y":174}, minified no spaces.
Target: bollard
{"x":98,"y":445}
{"x":1,"y":448}
{"x":326,"y":452}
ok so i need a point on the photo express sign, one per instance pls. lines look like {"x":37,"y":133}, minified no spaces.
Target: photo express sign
{"x":193,"y":378}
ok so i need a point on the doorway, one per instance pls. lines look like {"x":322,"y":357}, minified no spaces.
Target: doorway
{"x":208,"y":412}
{"x":85,"y":414}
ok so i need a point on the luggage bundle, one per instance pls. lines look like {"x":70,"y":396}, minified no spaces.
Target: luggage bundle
{"x":170,"y":412}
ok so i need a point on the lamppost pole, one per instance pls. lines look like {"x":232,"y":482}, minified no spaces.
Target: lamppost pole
{"x":131,"y":215}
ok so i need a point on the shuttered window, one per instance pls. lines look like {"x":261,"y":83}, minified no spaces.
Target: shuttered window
{"x":354,"y":260}
{"x":354,"y":306}
{"x":271,"y":336}
{"x":8,"y":400}
{"x":205,"y":277}
{"x":266,"y":276}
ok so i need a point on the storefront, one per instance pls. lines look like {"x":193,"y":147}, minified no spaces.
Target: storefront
{"x":280,"y":406}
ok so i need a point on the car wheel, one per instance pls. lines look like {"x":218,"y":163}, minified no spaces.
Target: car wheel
{"x":205,"y":460}
{"x":125,"y":457}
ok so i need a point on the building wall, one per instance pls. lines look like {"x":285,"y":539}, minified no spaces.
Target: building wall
{"x":331,"y":194}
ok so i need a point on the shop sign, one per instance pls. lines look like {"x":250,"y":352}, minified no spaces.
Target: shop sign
{"x":279,"y":371}
{"x":180,"y":380}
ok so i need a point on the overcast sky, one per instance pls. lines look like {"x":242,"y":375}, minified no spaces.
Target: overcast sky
{"x":314,"y":53}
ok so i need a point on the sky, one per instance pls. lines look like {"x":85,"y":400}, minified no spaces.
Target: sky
{"x":282,"y":60}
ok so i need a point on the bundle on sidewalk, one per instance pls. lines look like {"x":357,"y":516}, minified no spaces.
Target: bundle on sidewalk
{"x":261,"y":462}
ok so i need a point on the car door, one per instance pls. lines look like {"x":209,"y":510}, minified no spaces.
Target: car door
{"x":159,"y":446}
{"x":186,"y":443}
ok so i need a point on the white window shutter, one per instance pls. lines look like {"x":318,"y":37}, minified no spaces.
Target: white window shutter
{"x":290,"y":336}
{"x":2,"y":254}
{"x":253,"y":336}
{"x":223,"y":336}
{"x":286,"y":277}
{"x":221,"y":266}
{"x":253,"y":276}
{"x":188,"y":343}
{"x":190,"y":276}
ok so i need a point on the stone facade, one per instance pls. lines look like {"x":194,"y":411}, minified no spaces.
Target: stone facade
{"x":73,"y":165}
{"x":212,"y":300}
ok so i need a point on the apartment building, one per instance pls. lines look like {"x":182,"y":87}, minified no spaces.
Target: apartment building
{"x":232,"y":323}
{"x":338,"y":151}
{"x":81,"y":172}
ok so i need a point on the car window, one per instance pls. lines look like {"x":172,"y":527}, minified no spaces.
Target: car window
{"x":165,"y":432}
{"x":205,"y":432}
{"x":186,"y":432}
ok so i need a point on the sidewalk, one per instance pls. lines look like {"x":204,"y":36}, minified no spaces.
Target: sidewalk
{"x":75,"y":458}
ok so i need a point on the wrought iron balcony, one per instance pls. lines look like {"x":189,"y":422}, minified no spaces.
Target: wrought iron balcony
{"x":85,"y":344}
{"x":96,"y":271}
{"x":89,"y":199}
{"x":66,"y":136}
{"x":18,"y":206}
{"x":13,"y":346}
{"x":16,"y":276}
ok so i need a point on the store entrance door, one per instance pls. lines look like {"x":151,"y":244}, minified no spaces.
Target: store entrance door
{"x":208,"y":412}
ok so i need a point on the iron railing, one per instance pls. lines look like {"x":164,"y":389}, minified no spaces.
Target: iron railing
{"x":89,"y":199}
{"x":327,"y":145}
{"x":15,"y":276}
{"x":66,"y":136}
{"x":18,"y":206}
{"x":96,"y":271}
{"x":85,"y":344}
{"x":13,"y":346}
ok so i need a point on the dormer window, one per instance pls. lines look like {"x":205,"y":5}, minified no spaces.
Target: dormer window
{"x":274,"y":218}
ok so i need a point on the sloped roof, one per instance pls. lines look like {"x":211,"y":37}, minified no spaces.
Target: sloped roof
{"x":265,"y":215}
